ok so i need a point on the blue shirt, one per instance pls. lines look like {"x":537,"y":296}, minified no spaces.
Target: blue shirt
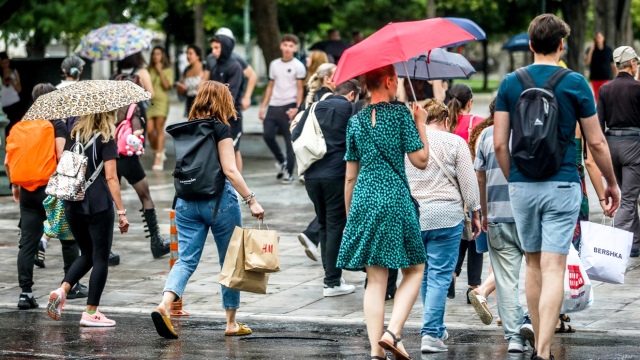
{"x":575,"y":100}
{"x":498,"y":201}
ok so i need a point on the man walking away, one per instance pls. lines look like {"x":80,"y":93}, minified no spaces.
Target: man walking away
{"x":546,"y":202}
{"x":505,"y":249}
{"x":600,"y":60}
{"x":618,"y":110}
{"x":324,"y":180}
{"x":283,"y":96}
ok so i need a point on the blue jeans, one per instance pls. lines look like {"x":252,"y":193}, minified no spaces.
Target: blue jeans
{"x":441,"y":246}
{"x":546,"y":214}
{"x":506,"y":255}
{"x":193,"y":219}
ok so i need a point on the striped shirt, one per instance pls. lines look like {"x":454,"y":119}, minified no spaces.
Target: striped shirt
{"x":498,"y":203}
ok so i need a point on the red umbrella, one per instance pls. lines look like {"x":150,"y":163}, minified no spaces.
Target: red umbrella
{"x":398,"y":42}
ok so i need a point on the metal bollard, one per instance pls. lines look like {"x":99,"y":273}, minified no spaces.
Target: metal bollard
{"x":176,"y":307}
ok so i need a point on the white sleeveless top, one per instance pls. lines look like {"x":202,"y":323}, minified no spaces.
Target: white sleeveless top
{"x":8,"y":94}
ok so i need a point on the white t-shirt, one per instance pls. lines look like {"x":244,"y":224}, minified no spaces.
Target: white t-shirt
{"x":285,"y":76}
{"x":65,"y":83}
{"x":8,"y":94}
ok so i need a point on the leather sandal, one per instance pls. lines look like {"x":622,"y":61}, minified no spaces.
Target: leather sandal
{"x":392,"y":347}
{"x":242,"y":331}
{"x":565,"y":318}
{"x":163,"y":325}
{"x":565,"y":328}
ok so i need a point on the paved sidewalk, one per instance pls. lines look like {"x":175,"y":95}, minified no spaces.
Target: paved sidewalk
{"x":294,"y":294}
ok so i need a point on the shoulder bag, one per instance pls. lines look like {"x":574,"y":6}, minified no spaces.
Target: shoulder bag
{"x":467,"y":231}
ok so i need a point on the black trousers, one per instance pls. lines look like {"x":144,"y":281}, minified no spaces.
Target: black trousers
{"x":474,"y":262}
{"x":328,"y":200}
{"x":276,"y":121}
{"x":625,"y":156}
{"x":32,"y":217}
{"x":94,"y":234}
{"x":70,"y":252}
{"x":313,"y":231}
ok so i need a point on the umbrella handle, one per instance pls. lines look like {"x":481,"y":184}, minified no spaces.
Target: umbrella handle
{"x":406,"y":71}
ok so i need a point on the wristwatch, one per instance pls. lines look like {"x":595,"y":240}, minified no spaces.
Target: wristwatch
{"x":122,"y":212}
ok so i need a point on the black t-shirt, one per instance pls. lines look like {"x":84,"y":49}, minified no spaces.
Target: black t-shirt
{"x":60,"y":129}
{"x":221,"y":131}
{"x":98,"y":197}
{"x":600,"y":66}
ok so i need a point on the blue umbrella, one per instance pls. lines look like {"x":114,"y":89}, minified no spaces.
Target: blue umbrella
{"x":519,"y":42}
{"x":437,"y":64}
{"x":470,"y":26}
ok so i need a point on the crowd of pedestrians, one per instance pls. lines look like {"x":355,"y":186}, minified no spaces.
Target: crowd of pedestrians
{"x":415,"y":185}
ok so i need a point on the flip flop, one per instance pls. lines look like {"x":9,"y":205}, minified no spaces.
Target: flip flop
{"x":163,"y":325}
{"x":242,"y":331}
{"x":480,"y":305}
{"x":565,"y":329}
{"x":392,"y":347}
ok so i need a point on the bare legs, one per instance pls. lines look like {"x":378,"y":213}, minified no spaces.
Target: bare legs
{"x":374,"y":297}
{"x":544,"y":284}
{"x":155,"y":134}
{"x":168,"y":298}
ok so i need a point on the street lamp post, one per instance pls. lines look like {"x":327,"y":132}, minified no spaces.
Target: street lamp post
{"x":247,"y":34}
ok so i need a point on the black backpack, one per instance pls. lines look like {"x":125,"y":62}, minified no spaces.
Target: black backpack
{"x":537,"y":144}
{"x":198,"y":174}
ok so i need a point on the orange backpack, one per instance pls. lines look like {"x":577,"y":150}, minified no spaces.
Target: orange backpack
{"x":31,"y":153}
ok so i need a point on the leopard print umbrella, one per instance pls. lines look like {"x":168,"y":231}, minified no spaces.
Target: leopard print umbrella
{"x":86,"y":97}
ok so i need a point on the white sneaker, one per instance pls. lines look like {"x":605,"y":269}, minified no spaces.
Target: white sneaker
{"x":445,"y":336}
{"x":309,"y":247}
{"x":432,"y":345}
{"x":516,"y":347}
{"x":343,"y":289}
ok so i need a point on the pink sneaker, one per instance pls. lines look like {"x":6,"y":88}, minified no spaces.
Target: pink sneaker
{"x":96,"y":320}
{"x":56,"y":303}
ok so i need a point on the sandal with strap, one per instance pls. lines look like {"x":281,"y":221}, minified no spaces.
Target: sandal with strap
{"x":392,"y":347}
{"x":565,"y":318}
{"x":565,"y":329}
{"x":242,"y":331}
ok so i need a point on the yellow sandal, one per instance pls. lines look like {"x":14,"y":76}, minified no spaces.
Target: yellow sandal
{"x":242,"y":331}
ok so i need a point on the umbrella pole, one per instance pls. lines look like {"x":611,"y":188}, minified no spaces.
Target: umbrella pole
{"x":406,"y":71}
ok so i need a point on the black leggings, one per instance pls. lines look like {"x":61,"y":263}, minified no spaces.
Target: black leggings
{"x":94,"y":234}
{"x":474,"y":262}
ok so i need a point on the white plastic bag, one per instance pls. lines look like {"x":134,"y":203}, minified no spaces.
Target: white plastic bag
{"x":604,"y":251}
{"x":578,"y":294}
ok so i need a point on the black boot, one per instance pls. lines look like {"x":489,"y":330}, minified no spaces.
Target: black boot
{"x":159,"y":245}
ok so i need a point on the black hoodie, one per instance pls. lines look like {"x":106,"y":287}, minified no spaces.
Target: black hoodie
{"x":228,"y":71}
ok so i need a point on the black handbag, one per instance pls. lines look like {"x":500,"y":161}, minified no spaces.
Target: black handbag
{"x":198,"y":174}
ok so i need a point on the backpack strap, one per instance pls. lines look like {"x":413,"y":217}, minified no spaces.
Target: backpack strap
{"x":131,"y":111}
{"x":556,"y":78}
{"x":525,"y":78}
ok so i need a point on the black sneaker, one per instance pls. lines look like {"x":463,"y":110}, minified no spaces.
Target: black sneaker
{"x":27,"y":302}
{"x":287,"y":178}
{"x":78,"y":291}
{"x":40,"y":256}
{"x":114,"y":259}
{"x":282,"y":168}
{"x":526,"y":331}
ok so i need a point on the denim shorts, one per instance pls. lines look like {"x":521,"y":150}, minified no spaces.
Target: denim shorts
{"x":546,"y":214}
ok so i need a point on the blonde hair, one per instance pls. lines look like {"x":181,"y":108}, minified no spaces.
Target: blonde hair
{"x":318,"y":57}
{"x":437,"y":111}
{"x":88,"y":125}
{"x":317,"y":79}
{"x":213,"y":100}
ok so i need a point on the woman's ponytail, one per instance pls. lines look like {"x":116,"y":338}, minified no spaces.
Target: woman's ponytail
{"x":461,"y":94}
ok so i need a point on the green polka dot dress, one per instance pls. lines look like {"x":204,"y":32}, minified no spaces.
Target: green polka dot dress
{"x":382,"y":228}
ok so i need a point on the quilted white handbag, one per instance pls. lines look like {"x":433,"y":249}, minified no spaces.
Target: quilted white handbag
{"x":68,"y":182}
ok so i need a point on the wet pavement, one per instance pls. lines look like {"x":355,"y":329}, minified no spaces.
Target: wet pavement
{"x":293,"y":306}
{"x":134,"y":337}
